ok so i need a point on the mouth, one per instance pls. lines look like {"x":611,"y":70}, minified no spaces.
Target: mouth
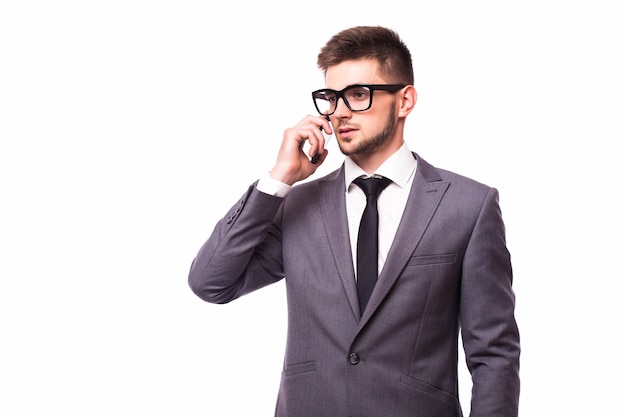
{"x":346,"y":131}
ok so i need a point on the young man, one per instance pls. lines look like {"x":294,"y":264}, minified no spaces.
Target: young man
{"x":443,"y":265}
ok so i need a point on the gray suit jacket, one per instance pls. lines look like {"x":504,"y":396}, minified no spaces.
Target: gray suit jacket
{"x":448,"y":269}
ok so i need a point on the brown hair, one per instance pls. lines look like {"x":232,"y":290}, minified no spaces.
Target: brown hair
{"x":370,"y":42}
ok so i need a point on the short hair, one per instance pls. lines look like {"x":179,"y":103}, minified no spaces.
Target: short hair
{"x":370,"y":42}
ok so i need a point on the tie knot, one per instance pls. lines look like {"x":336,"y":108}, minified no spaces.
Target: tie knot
{"x":372,"y":185}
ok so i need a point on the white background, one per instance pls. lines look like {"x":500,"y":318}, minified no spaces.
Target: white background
{"x":128,"y":128}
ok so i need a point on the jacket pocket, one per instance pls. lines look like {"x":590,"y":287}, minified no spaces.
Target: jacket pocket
{"x":431,"y":390}
{"x":299,"y":368}
{"x":444,"y":258}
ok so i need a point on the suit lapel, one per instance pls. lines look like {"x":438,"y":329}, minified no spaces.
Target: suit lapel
{"x":333,"y":210}
{"x":424,"y":198}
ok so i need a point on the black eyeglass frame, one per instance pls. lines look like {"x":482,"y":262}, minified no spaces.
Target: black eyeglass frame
{"x":392,"y":88}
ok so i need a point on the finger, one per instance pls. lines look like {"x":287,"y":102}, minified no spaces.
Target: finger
{"x":311,"y":131}
{"x":317,"y":142}
{"x":319,"y":158}
{"x":326,"y":126}
{"x":322,"y":122}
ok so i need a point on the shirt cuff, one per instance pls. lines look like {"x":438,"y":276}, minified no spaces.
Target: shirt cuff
{"x":270,"y":186}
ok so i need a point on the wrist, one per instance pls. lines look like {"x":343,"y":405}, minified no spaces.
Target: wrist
{"x":282,"y":176}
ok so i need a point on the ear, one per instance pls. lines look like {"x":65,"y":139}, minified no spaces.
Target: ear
{"x":409,"y":98}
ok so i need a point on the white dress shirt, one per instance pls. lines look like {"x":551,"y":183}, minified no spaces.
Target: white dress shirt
{"x":399,"y":168}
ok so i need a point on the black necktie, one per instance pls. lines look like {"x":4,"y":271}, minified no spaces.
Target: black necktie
{"x":367,"y":243}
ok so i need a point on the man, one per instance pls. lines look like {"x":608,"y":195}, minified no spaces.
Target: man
{"x":443,"y":265}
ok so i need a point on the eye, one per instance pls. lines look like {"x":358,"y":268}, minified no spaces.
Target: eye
{"x":358,"y":94}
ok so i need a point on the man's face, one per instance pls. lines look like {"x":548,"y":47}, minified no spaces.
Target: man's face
{"x":366,"y":132}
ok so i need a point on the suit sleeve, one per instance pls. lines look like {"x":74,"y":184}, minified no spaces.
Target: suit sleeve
{"x":488,"y":326}
{"x":243,"y":252}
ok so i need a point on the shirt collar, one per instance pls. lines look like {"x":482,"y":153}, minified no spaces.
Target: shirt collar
{"x":399,"y":168}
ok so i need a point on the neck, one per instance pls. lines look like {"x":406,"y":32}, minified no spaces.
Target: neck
{"x":370,"y":162}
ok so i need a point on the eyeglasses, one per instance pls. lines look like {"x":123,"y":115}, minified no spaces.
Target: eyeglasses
{"x":357,"y":97}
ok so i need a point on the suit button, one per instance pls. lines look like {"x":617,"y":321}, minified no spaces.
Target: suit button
{"x":353,"y":358}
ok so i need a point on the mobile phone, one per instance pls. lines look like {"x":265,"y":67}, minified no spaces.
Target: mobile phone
{"x":316,"y":157}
